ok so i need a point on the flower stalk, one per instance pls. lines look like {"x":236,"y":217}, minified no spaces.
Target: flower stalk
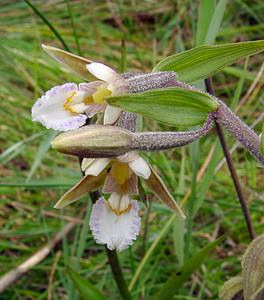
{"x":232,"y":169}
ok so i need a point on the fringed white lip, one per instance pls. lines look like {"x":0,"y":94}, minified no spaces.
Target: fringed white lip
{"x":115,"y":231}
{"x":63,"y":107}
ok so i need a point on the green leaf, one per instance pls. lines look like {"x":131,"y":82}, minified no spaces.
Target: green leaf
{"x":87,"y":290}
{"x":204,"y":61}
{"x":175,"y":106}
{"x":171,"y":286}
{"x":151,"y":249}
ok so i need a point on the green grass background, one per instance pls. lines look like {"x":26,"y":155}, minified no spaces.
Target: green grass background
{"x":33,"y":176}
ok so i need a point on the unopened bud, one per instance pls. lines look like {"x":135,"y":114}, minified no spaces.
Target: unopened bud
{"x":252,"y":270}
{"x":94,"y":141}
{"x":232,"y":288}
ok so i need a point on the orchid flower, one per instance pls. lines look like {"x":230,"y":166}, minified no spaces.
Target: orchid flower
{"x":66,"y":107}
{"x":116,"y":222}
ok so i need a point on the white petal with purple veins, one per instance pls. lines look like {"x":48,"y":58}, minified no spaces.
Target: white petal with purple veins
{"x":111,"y":115}
{"x":140,"y":167}
{"x":61,"y":120}
{"x":117,"y":232}
{"x":55,"y":96}
{"x":49,"y":109}
{"x":89,"y":87}
{"x":95,"y":109}
{"x":110,"y":184}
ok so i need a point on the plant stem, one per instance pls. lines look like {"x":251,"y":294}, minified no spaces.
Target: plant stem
{"x":232,"y":169}
{"x":118,"y":274}
{"x":112,"y":257}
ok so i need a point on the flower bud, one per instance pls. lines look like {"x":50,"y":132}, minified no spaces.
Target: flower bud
{"x":231,"y":288}
{"x":252,"y":270}
{"x":94,"y":141}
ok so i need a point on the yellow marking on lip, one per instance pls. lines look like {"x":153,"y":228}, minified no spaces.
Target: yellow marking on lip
{"x":100,"y":94}
{"x":88,"y":100}
{"x":67,"y":103}
{"x":119,"y":212}
{"x":121,"y":172}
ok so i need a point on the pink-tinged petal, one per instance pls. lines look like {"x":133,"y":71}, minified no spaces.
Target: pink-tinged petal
{"x":97,"y":166}
{"x":110,"y":184}
{"x":117,"y":232}
{"x":49,"y":110}
{"x":111,"y":115}
{"x":90,"y":87}
{"x":132,"y":185}
{"x":94,"y":109}
{"x":102,"y":71}
{"x":156,"y":184}
{"x":140,"y":167}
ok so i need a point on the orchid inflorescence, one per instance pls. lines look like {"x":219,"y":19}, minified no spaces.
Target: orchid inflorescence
{"x":109,"y":152}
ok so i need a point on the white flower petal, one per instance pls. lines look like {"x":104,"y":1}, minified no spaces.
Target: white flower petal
{"x":119,"y":202}
{"x":49,"y":110}
{"x":61,"y":121}
{"x":111,"y":115}
{"x":128,"y":157}
{"x":53,"y":98}
{"x":102,"y":71}
{"x":140,"y":167}
{"x":86,"y":162}
{"x":97,"y":166}
{"x":117,"y":232}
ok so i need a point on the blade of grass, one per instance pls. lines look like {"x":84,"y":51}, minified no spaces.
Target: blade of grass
{"x":47,"y":22}
{"x":216,"y":22}
{"x":17,"y":148}
{"x":170,"y":288}
{"x":206,"y":10}
{"x":42,"y":150}
{"x":150,"y":251}
{"x":74,"y":27}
